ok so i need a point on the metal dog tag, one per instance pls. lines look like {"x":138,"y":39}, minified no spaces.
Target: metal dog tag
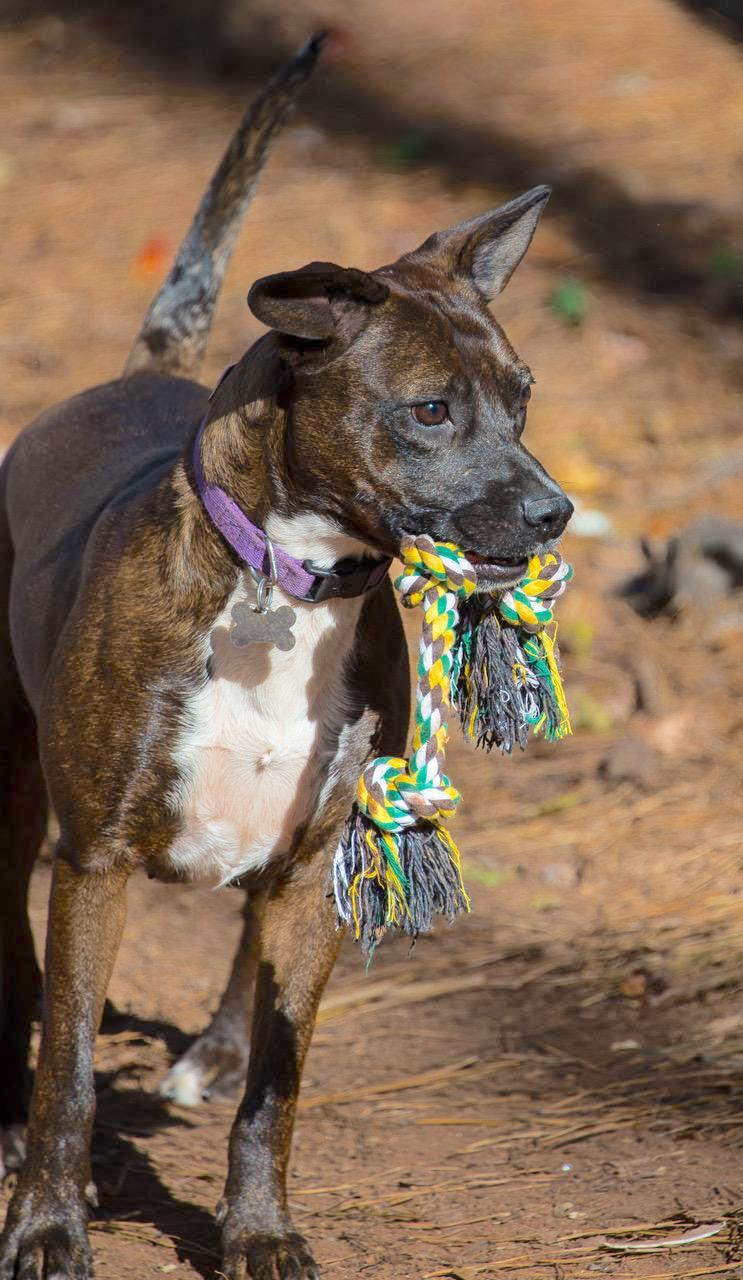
{"x":258,"y":623}
{"x":263,"y":626}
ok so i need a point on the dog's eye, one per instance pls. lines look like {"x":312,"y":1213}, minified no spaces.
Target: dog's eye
{"x":525,"y":395}
{"x":431,"y":414}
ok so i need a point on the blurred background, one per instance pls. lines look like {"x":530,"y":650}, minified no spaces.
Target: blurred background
{"x":566,"y":1062}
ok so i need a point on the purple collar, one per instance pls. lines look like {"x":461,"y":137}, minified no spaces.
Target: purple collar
{"x":299,"y":578}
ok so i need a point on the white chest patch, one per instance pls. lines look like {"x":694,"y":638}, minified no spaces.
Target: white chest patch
{"x":263,"y":731}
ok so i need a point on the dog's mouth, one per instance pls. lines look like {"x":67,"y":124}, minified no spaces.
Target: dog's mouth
{"x":497,"y":574}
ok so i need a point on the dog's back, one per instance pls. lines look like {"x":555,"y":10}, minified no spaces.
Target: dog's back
{"x":106,"y":446}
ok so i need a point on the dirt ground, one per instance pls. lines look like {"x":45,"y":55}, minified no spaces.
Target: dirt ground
{"x":561,"y":1069}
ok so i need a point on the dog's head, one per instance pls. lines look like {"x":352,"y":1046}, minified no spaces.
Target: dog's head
{"x":407,"y":402}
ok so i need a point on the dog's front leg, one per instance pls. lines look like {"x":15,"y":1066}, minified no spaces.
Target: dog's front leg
{"x":299,"y":943}
{"x":45,"y":1228}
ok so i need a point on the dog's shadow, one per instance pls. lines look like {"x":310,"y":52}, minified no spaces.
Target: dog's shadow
{"x":130,"y":1189}
{"x":113,"y":1021}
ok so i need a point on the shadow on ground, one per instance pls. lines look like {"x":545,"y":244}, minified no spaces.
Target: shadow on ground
{"x":668,"y":248}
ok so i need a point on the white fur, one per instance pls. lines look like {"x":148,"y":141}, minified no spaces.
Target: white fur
{"x":263,"y":731}
{"x":184,"y":1083}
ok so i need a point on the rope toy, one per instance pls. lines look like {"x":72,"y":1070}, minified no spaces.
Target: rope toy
{"x":493,"y":660}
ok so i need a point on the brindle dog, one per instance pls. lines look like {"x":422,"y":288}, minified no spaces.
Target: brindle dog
{"x":378,"y":404}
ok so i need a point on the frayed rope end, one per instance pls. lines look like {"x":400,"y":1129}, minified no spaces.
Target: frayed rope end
{"x":400,"y":880}
{"x":508,"y":682}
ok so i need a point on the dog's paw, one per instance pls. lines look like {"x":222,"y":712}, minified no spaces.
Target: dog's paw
{"x":12,"y":1149}
{"x":44,"y":1240}
{"x":213,"y":1068}
{"x":264,"y":1256}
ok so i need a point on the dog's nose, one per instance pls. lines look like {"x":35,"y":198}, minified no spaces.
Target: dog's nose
{"x":550,"y":515}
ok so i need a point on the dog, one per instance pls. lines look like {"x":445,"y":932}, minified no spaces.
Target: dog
{"x":377,"y":404}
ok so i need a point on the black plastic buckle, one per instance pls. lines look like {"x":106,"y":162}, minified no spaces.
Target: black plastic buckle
{"x":346,"y":579}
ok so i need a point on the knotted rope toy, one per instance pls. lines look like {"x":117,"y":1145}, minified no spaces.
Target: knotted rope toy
{"x":492,"y":658}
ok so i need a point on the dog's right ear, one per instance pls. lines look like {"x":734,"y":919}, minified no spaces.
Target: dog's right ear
{"x":320,"y":301}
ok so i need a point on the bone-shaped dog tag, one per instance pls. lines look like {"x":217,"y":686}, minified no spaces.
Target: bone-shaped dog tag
{"x":272,"y":626}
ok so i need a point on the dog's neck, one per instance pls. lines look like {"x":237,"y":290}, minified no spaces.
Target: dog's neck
{"x":242,"y":450}
{"x":242,"y":445}
{"x":306,"y":535}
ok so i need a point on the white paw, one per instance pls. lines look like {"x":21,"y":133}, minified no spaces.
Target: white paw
{"x":184,"y":1084}
{"x":12,"y":1149}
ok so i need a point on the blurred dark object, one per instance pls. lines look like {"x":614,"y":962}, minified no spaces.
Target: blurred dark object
{"x":631,"y":759}
{"x":699,"y":566}
{"x":725,"y":15}
{"x":203,"y":39}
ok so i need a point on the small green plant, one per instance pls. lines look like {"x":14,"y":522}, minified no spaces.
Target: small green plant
{"x":404,"y":151}
{"x":726,"y":261}
{"x":569,"y":301}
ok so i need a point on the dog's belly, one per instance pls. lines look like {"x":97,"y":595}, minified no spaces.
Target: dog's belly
{"x":248,"y":790}
{"x":260,"y":738}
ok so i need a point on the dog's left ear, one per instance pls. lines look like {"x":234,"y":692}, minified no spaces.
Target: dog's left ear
{"x":488,"y":249}
{"x":320,"y":301}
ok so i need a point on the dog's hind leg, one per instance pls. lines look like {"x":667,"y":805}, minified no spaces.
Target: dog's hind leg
{"x":22,"y":827}
{"x":215,"y":1064}
{"x":45,"y":1230}
{"x":23,"y":817}
{"x":299,"y":943}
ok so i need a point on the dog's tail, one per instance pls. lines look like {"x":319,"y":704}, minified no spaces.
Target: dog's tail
{"x":176,"y":327}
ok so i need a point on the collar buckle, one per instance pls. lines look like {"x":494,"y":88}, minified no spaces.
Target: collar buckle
{"x":347,"y":578}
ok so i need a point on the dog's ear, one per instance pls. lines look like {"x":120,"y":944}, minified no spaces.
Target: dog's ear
{"x":320,"y":301}
{"x":488,"y":249}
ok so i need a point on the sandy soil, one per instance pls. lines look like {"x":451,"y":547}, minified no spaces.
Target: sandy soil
{"x":565,"y":1063}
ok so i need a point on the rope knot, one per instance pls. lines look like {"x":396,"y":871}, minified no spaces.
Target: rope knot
{"x":429,"y":564}
{"x":393,"y":798}
{"x":529,"y":605}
